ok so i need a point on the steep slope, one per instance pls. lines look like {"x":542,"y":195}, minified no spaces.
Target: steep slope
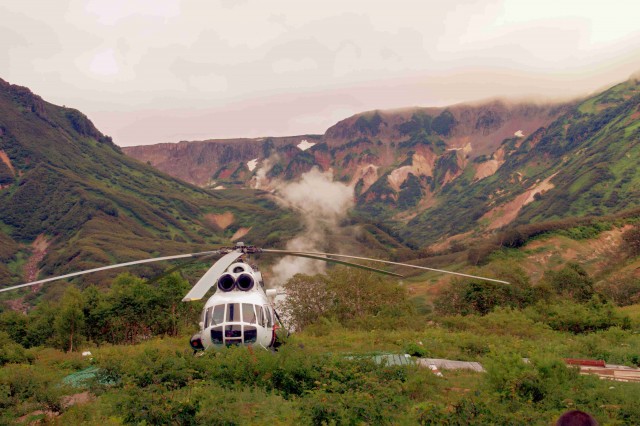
{"x":200,"y":162}
{"x":585,"y":162}
{"x":66,"y":185}
{"x":426,"y":174}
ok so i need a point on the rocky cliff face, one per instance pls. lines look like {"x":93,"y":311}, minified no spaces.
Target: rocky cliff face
{"x":199,"y":162}
{"x":431,"y":172}
{"x":377,"y":150}
{"x":377,"y":138}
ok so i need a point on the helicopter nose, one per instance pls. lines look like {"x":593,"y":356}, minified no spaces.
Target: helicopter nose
{"x":234,"y":334}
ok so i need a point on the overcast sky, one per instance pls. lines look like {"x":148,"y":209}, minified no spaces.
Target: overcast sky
{"x":148,"y":71}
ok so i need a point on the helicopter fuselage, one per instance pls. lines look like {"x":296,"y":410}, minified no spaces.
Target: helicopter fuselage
{"x":238,"y":313}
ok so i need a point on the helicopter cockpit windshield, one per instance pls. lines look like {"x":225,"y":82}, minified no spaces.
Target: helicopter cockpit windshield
{"x":236,"y":323}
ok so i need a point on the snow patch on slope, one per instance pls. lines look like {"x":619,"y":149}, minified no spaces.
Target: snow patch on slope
{"x":252,"y":164}
{"x":305,"y":144}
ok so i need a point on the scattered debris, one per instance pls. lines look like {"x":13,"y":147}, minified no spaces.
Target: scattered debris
{"x":447,"y":364}
{"x":435,"y":370}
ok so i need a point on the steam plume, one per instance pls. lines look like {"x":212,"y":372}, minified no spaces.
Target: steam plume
{"x":322,"y":203}
{"x":261,"y":181}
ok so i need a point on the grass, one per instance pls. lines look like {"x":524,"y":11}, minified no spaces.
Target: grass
{"x":161,"y":378}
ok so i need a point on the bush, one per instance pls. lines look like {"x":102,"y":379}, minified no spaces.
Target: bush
{"x":509,"y":376}
{"x":577,"y":318}
{"x":631,"y":239}
{"x":623,"y":288}
{"x":350,"y":296}
{"x":572,"y":281}
{"x":11,"y":352}
{"x":470,"y":295}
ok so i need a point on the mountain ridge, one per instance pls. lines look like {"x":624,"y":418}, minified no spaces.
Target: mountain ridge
{"x":412,"y":168}
{"x":67,"y":186}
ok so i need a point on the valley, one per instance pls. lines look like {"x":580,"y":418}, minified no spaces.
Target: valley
{"x":429,"y":175}
{"x":542,"y":196}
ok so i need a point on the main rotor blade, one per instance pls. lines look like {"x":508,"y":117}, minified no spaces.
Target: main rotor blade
{"x":208,"y":280}
{"x":180,"y":266}
{"x":340,"y":262}
{"x":104,"y":268}
{"x":304,"y":254}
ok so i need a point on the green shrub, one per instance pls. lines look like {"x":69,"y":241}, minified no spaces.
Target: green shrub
{"x":12,"y":352}
{"x":469,"y":296}
{"x":572,"y":281}
{"x":623,"y":288}
{"x":576,"y":318}
{"x":631,"y":239}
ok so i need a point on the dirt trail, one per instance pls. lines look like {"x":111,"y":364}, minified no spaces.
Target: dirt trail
{"x":222,"y":221}
{"x":506,"y":213}
{"x":38,"y":251}
{"x":5,"y":159}
{"x":241,"y":232}
{"x":67,"y":401}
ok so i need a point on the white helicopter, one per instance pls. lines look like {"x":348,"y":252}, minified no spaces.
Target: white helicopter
{"x":241,"y":311}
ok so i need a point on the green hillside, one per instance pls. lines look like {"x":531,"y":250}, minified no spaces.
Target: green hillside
{"x":327,"y":373}
{"x":63,"y":180}
{"x":424,"y":175}
{"x":588,"y":156}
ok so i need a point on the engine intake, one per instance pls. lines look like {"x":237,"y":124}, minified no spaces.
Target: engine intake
{"x":226,"y":282}
{"x":245,"y":282}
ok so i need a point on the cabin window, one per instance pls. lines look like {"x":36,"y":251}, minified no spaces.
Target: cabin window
{"x":233,"y":334}
{"x":267,"y":311}
{"x":260,"y":315}
{"x":218,"y":315}
{"x":207,"y":316}
{"x":233,"y":312}
{"x":248,"y":314}
{"x":216,"y":336}
{"x":250,"y":334}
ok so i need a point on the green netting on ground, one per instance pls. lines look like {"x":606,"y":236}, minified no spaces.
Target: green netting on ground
{"x":387,"y":359}
{"x":81,"y":378}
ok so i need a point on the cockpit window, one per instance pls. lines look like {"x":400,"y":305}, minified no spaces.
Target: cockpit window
{"x":218,"y":315}
{"x":207,"y":316}
{"x":260,"y":315}
{"x":248,"y":314}
{"x":267,"y":311}
{"x":233,"y":312}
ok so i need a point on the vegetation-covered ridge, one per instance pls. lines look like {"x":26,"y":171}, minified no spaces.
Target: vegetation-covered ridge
{"x":581,"y":164}
{"x":325,"y":373}
{"x":141,"y":370}
{"x":424,"y":175}
{"x":90,"y":205}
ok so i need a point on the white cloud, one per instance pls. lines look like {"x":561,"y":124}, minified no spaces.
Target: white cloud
{"x":219,"y":55}
{"x":110,"y":12}
{"x":104,"y":63}
{"x":288,"y":65}
{"x":209,"y":82}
